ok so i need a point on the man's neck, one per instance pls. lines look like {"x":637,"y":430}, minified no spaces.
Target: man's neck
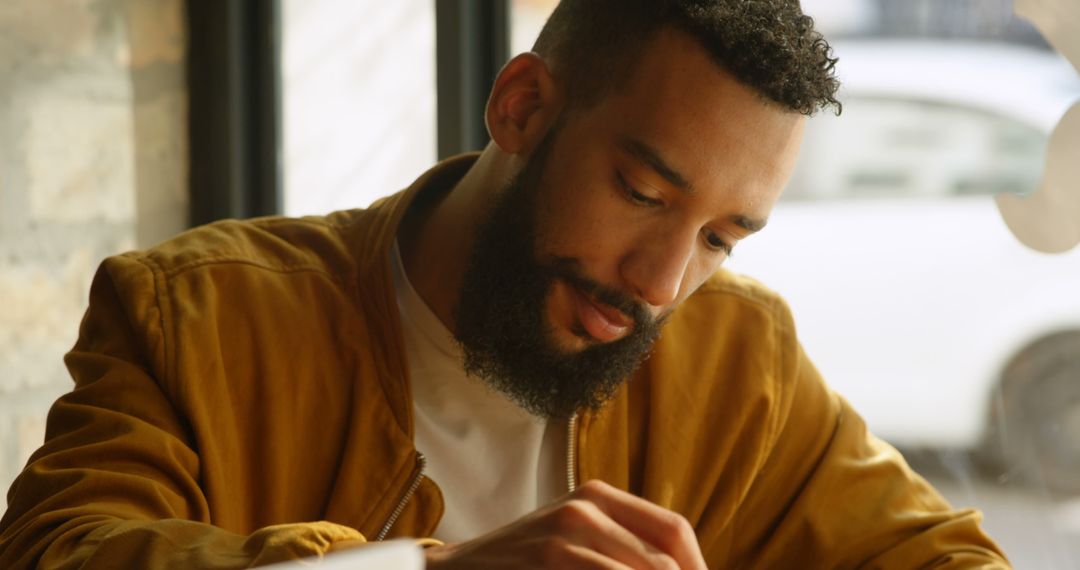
{"x":437,"y":239}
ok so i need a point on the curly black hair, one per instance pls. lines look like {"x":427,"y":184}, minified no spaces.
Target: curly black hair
{"x":769,"y":45}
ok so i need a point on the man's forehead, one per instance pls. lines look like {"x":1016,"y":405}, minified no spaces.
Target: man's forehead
{"x":704,"y":120}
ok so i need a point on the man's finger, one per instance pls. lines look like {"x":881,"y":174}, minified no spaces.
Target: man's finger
{"x":595,"y":529}
{"x":581,"y":557}
{"x":665,"y":530}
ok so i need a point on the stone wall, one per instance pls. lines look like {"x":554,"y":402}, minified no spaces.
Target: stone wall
{"x":93,"y":162}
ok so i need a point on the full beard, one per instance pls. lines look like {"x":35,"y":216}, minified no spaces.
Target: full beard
{"x":500,"y":319}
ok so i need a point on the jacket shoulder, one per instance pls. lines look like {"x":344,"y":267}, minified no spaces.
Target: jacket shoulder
{"x":730,"y":288}
{"x":323,"y":244}
{"x":732,"y":327}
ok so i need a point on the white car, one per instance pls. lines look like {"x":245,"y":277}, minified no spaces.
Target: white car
{"x":910,"y":293}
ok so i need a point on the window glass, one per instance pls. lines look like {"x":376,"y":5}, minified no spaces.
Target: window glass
{"x":910,"y":293}
{"x":358,"y":100}
{"x":526,"y":19}
{"x":902,"y":147}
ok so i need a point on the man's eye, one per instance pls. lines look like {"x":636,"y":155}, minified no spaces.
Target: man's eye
{"x":633,"y":195}
{"x":718,"y":244}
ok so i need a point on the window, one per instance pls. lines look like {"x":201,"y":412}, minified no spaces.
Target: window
{"x":358,"y":83}
{"x":896,"y":147}
{"x":526,"y":19}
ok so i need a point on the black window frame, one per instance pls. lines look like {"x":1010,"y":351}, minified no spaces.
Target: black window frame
{"x":235,"y":96}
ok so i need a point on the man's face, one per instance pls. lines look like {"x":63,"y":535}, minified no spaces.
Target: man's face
{"x":620,"y":213}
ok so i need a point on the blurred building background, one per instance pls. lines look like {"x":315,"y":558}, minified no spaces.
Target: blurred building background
{"x":93,"y":161}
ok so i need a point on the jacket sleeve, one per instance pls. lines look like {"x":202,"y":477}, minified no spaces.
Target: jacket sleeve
{"x":116,"y":483}
{"x":831,"y":495}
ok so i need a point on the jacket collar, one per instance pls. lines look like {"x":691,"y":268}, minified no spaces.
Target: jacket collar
{"x":377,"y":229}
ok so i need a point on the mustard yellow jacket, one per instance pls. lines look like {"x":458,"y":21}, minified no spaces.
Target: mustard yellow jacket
{"x":240,"y":398}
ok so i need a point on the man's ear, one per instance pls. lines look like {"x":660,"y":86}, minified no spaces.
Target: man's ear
{"x":523,"y":103}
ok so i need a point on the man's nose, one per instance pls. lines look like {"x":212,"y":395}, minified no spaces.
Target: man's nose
{"x":656,"y":269}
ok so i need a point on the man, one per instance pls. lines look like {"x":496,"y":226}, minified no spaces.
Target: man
{"x":448,"y":364}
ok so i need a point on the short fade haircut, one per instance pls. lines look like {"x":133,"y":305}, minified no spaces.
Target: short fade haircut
{"x":768,"y":45}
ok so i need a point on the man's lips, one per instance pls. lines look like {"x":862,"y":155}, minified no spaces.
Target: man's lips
{"x":603,"y":322}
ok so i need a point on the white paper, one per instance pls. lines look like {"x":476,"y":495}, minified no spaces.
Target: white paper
{"x":390,"y":555}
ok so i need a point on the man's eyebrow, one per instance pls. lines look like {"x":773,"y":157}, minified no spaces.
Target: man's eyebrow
{"x":651,"y":157}
{"x":748,"y":224}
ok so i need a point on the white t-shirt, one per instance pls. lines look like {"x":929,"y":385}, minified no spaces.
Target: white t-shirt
{"x":493,"y":461}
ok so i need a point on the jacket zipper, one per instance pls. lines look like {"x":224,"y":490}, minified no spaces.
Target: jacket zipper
{"x":421,"y":462}
{"x":418,"y":476}
{"x":571,"y":432}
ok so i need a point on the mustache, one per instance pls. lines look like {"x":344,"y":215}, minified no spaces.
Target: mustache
{"x":568,"y":269}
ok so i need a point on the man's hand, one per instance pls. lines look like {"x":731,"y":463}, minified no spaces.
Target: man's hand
{"x":596,"y":526}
